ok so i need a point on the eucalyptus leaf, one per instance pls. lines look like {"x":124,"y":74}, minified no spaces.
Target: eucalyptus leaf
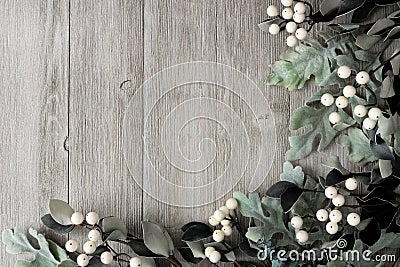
{"x":49,"y":222}
{"x":61,"y":211}
{"x":138,"y":246}
{"x":197,"y":232}
{"x":187,"y":254}
{"x":111,"y":224}
{"x":49,"y":254}
{"x":157,"y":239}
{"x":197,"y":249}
{"x":380,"y":26}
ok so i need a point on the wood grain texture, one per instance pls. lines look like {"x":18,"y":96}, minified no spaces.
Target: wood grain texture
{"x":34,"y":111}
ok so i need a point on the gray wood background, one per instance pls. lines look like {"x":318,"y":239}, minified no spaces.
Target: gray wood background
{"x":62,"y":107}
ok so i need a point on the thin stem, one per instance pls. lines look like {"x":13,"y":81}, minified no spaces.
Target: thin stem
{"x":171,"y":259}
{"x":237,"y":263}
{"x":386,"y":61}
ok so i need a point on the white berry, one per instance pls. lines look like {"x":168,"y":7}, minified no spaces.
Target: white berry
{"x":287,"y":2}
{"x":135,"y":262}
{"x":300,"y":8}
{"x":225,"y":222}
{"x":360,"y":111}
{"x":342,"y":102}
{"x":225,"y":210}
{"x":335,"y":216}
{"x":77,"y":218}
{"x":82,"y":260}
{"x":231,"y":204}
{"x":89,"y":247}
{"x":369,"y":124}
{"x":272,"y":11}
{"x":218,"y":236}
{"x":291,"y":41}
{"x":301,"y":33}
{"x":212,"y":221}
{"x":208,"y":251}
{"x":287,"y":13}
{"x":274,"y":29}
{"x":322,"y":215}
{"x":338,"y":200}
{"x":353,"y":219}
{"x":332,"y":228}
{"x":106,"y":257}
{"x":299,"y":18}
{"x":349,"y":91}
{"x":94,"y":235}
{"x":227,"y":230}
{"x":362,"y":77}
{"x":291,"y":27}
{"x":330,"y":192}
{"x":351,"y":184}
{"x":302,"y":236}
{"x":219,"y":215}
{"x":327,"y":99}
{"x":296,"y":222}
{"x":71,"y":245}
{"x":344,"y":72}
{"x":215,"y":257}
{"x":92,"y":218}
{"x":334,"y":117}
{"x":375,"y":114}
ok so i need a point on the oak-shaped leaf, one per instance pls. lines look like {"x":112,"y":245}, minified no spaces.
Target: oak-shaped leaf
{"x":61,"y":211}
{"x":357,"y":145}
{"x":157,"y":239}
{"x":196,"y":232}
{"x":50,"y":223}
{"x":309,"y":59}
{"x":277,"y":190}
{"x":49,"y":254}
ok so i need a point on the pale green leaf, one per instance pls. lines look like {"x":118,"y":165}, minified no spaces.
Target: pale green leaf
{"x":157,"y":239}
{"x":61,"y":211}
{"x":49,"y":254}
{"x":357,"y":145}
{"x":292,"y":174}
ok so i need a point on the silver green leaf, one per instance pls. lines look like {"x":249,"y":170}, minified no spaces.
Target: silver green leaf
{"x":157,"y":239}
{"x":61,"y":211}
{"x":357,"y":145}
{"x":49,"y":254}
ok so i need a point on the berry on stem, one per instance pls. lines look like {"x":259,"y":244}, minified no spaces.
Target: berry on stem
{"x":135,"y":262}
{"x":77,"y":218}
{"x":215,"y":257}
{"x":362,"y":77}
{"x":106,"y":257}
{"x":218,"y":236}
{"x":375,"y":114}
{"x":212,"y":221}
{"x":360,"y":111}
{"x":291,"y":41}
{"x":94,"y":235}
{"x":327,"y":99}
{"x":89,"y":247}
{"x":301,"y":33}
{"x":349,"y":91}
{"x":322,"y":215}
{"x":338,"y":200}
{"x":330,"y":192}
{"x":369,"y":124}
{"x":291,"y":27}
{"x":227,"y":230}
{"x":302,"y":236}
{"x":353,"y":219}
{"x":299,"y":18}
{"x":335,"y":216}
{"x":344,"y":72}
{"x":219,"y":215}
{"x":332,"y":228}
{"x":272,"y":11}
{"x":351,"y":184}
{"x":231,"y":204}
{"x":287,"y":2}
{"x":208,"y":251}
{"x":287,"y":13}
{"x":296,"y":222}
{"x":342,"y":102}
{"x":300,"y":8}
{"x":92,"y":218}
{"x":82,"y":260}
{"x":335,"y":117}
{"x":274,"y":29}
{"x":71,"y":245}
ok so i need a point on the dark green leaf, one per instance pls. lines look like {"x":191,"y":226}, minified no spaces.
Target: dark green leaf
{"x":49,"y":222}
{"x":279,"y":188}
{"x":197,"y":232}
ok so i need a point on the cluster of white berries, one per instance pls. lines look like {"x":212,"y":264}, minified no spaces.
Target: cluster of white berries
{"x":213,"y":255}
{"x":362,"y":77}
{"x":335,"y":216}
{"x":90,"y":246}
{"x":293,"y":17}
{"x":221,"y":217}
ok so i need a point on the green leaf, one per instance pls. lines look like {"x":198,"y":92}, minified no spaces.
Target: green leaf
{"x":250,"y":206}
{"x":61,"y":211}
{"x":197,"y":249}
{"x":357,"y":145}
{"x":157,"y":239}
{"x":112,"y":224}
{"x":318,"y":119}
{"x":292,"y":174}
{"x":49,"y":254}
{"x":311,"y":59}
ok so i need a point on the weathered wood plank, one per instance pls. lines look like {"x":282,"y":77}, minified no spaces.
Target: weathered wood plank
{"x":34,"y":111}
{"x":106,"y":49}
